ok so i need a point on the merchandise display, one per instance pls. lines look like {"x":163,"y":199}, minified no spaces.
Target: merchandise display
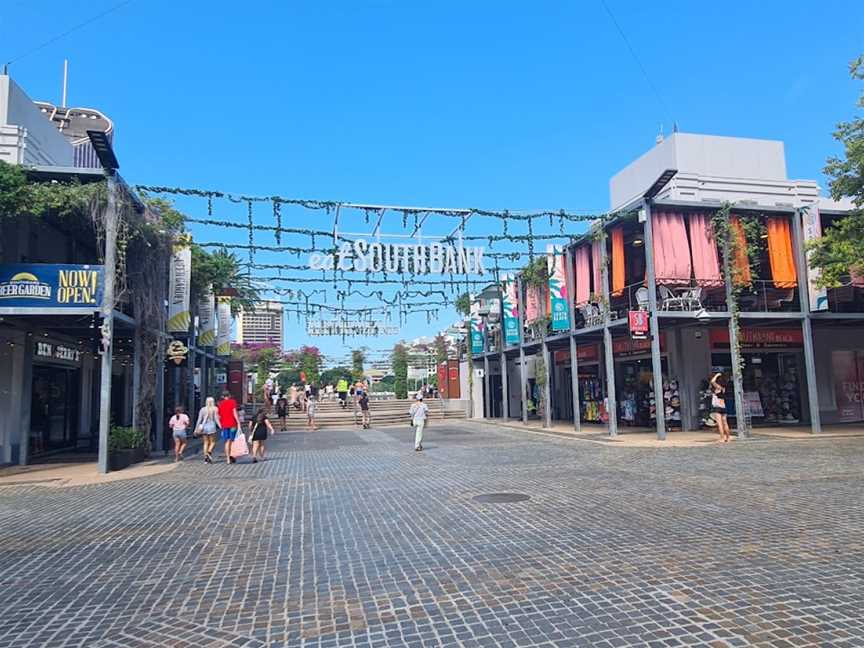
{"x":591,"y":398}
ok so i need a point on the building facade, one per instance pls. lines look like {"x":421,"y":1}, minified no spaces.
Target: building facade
{"x":261,"y":325}
{"x":653,"y":310}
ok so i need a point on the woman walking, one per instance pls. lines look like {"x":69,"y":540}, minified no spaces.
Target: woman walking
{"x":718,"y":405}
{"x":419,"y":413}
{"x":311,"y":408}
{"x":258,"y":435}
{"x":282,"y":410}
{"x":207,"y":427}
{"x":179,"y":423}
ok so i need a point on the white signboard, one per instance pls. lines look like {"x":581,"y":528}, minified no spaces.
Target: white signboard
{"x":206,"y":319}
{"x":223,"y":332}
{"x":360,"y":255}
{"x":349,"y":328}
{"x":417,"y":373}
{"x":812,"y":229}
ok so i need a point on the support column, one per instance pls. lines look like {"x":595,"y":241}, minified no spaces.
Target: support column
{"x":523,"y":379}
{"x":734,"y":345}
{"x":108,"y":321}
{"x":159,"y":404}
{"x":487,"y":400}
{"x":607,"y":343}
{"x":136,"y":375}
{"x":574,"y":359}
{"x":505,"y":388}
{"x":654,"y":323}
{"x":806,"y":323}
{"x":547,"y":392}
{"x":26,"y":400}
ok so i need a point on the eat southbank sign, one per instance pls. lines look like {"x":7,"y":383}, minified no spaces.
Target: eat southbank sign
{"x":360,"y":255}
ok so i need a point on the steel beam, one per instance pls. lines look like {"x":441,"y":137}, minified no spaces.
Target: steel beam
{"x":574,"y":359}
{"x":523,"y":379}
{"x":611,"y":397}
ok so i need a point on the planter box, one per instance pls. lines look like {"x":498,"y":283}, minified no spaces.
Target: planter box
{"x":119,"y":459}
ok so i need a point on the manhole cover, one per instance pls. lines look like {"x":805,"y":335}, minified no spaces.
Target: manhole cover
{"x":501,"y":498}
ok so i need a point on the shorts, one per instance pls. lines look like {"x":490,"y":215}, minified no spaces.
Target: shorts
{"x":228,"y":434}
{"x":179,"y":434}
{"x":718,"y":410}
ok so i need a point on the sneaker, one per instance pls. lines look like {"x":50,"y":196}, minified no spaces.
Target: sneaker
{"x":232,"y":460}
{"x":254,"y":460}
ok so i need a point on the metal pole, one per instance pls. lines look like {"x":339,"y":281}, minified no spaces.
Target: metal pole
{"x":107,"y":321}
{"x":574,"y":350}
{"x":806,"y":323}
{"x":523,"y":379}
{"x":611,"y":399}
{"x":487,"y":401}
{"x":654,"y":323}
{"x":734,"y":345}
{"x":505,"y":386}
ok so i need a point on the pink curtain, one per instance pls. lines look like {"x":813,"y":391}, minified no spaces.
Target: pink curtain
{"x":706,"y":262}
{"x":596,"y":266}
{"x":671,"y":251}
{"x":582,"y":261}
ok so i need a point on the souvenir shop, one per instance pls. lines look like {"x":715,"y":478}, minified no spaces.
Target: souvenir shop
{"x":634,"y":380}
{"x":592,"y":384}
{"x":773,"y":373}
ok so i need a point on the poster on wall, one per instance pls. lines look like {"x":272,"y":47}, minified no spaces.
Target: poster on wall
{"x":845,"y":367}
{"x":223,"y":330}
{"x":560,"y":312}
{"x":206,"y":319}
{"x":510,"y":308}
{"x":477,"y":338}
{"x":179,"y":275}
{"x":812,"y":229}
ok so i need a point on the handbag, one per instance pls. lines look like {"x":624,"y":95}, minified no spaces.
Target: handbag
{"x":716,"y":401}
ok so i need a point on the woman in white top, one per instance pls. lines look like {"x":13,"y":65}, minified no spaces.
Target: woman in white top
{"x":179,"y":423}
{"x":208,"y":426}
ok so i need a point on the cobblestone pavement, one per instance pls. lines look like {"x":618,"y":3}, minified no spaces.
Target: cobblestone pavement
{"x":348,"y":538}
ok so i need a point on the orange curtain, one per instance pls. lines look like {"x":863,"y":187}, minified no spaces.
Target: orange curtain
{"x":617,"y":261}
{"x":741,"y":263}
{"x":780,"y":253}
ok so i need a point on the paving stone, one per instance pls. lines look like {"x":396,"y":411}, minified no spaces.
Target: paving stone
{"x":349,"y":538}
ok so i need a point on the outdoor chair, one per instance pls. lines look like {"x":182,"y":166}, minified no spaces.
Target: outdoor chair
{"x":669,"y":300}
{"x":642,"y":298}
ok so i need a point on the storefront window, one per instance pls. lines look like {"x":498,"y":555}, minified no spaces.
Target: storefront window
{"x":772,"y":385}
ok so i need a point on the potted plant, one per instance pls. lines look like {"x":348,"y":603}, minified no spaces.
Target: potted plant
{"x":126,"y":446}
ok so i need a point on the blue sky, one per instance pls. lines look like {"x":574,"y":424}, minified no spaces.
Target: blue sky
{"x":481,"y":104}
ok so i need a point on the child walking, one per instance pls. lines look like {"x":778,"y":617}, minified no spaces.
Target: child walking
{"x":179,"y":423}
{"x":258,"y":431}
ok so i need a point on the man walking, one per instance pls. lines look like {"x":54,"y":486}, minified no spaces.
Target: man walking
{"x":230,"y":422}
{"x":419,"y":413}
{"x":342,"y":392}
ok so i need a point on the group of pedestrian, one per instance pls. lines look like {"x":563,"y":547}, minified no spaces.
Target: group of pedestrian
{"x":222,"y":421}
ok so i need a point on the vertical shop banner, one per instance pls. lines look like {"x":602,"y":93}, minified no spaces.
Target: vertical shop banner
{"x":178,"y":288}
{"x":559,"y":310}
{"x":476,"y":329}
{"x":510,"y":308}
{"x":206,"y":319}
{"x":845,"y":367}
{"x":812,"y":229}
{"x":223,"y":331}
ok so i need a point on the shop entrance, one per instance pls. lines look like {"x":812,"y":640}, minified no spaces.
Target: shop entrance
{"x":54,"y":409}
{"x":636,"y":404}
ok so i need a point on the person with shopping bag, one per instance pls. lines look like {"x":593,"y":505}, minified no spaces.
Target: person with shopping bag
{"x":229,"y":420}
{"x":239,"y":448}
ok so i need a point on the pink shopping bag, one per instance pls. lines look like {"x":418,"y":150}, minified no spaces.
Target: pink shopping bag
{"x":239,"y":448}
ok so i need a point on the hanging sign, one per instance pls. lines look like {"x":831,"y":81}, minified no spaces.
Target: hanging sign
{"x":177,"y":352}
{"x":223,"y":329}
{"x":351,"y":328}
{"x":221,"y":378}
{"x":558,"y":306}
{"x":56,"y":352}
{"x":360,"y":255}
{"x":48,"y":285}
{"x":638,"y":321}
{"x":757,"y":338}
{"x":812,"y":229}
{"x":178,"y":288}
{"x":510,"y":310}
{"x":206,"y":319}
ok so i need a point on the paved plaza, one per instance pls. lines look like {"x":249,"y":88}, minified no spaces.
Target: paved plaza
{"x":348,"y":538}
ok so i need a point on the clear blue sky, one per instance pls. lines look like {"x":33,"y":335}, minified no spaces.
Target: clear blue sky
{"x":481,"y":104}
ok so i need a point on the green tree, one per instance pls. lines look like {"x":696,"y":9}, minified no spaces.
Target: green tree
{"x":334,"y":374}
{"x":463,"y":304}
{"x":440,"y":348}
{"x":839,"y":251}
{"x":358,"y":357}
{"x":309,"y":362}
{"x":399,"y":360}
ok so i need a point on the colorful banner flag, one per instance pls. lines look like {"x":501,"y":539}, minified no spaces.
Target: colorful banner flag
{"x":223,"y":331}
{"x":510,"y":308}
{"x":559,"y":309}
{"x":206,"y":319}
{"x":180,"y":273}
{"x":476,"y":329}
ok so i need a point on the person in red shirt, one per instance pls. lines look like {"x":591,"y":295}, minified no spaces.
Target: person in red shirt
{"x":229,"y":421}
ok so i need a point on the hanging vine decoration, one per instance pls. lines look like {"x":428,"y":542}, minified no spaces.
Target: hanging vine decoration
{"x":209,"y":205}
{"x":531,"y":239}
{"x":277,"y":213}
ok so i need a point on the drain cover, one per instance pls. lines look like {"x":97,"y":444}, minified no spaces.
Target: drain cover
{"x":501,"y":498}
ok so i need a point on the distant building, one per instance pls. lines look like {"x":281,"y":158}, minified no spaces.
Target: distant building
{"x":26,"y":137}
{"x":74,"y":123}
{"x":261,"y":325}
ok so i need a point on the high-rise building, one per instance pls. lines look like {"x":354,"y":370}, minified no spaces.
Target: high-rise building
{"x":261,"y":325}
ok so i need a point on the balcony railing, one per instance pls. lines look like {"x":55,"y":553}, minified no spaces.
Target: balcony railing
{"x":762,"y":296}
{"x":846,"y":299}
